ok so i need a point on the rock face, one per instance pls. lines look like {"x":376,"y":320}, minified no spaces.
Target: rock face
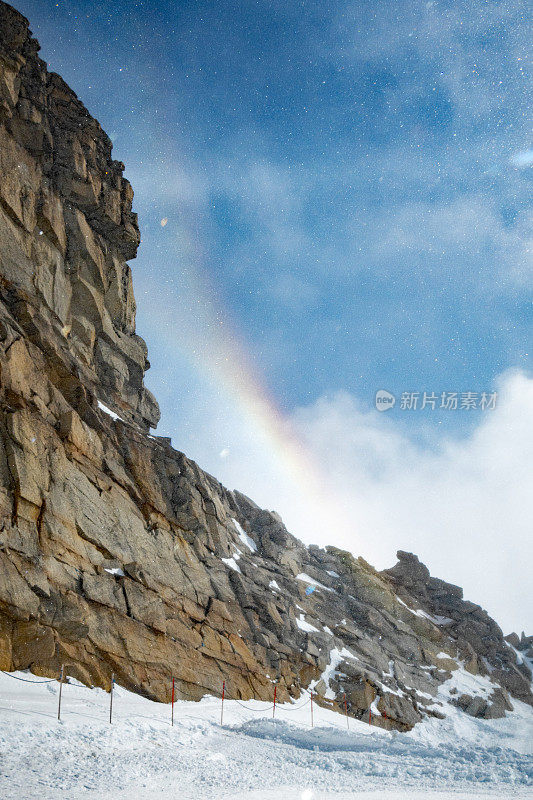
{"x":118,"y":553}
{"x":67,"y":230}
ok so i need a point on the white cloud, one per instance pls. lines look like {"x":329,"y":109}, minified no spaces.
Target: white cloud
{"x":477,"y":50}
{"x":169,"y":182}
{"x":448,"y":235}
{"x":466,"y":509}
{"x":522,"y":159}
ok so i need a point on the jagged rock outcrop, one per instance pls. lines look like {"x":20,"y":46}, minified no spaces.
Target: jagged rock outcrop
{"x":118,"y":553}
{"x":522,"y":643}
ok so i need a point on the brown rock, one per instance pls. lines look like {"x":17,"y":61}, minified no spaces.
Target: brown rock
{"x":31,"y":643}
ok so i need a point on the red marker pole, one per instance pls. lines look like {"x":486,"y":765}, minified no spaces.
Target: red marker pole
{"x":172,"y":718}
{"x":60,"y":691}
{"x":274,"y":709}
{"x":222,"y":708}
{"x":370,"y":716}
{"x":312,"y":724}
{"x":346,"y":712}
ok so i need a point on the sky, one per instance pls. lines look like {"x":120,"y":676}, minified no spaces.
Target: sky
{"x":334,"y":199}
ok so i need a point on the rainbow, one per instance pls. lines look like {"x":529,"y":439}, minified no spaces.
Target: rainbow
{"x":211,"y":344}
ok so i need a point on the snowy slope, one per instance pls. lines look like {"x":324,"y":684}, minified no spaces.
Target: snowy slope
{"x":252,"y":756}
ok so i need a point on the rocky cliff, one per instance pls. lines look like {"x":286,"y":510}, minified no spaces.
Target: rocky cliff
{"x":118,"y":553}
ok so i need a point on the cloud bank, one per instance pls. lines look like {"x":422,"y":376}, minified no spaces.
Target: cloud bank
{"x":465,"y":508}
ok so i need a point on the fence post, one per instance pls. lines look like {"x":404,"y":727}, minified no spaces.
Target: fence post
{"x":222,"y":707}
{"x":274,"y":709}
{"x":312,"y":724}
{"x":60,"y":691}
{"x":111,"y":698}
{"x":346,"y":712}
{"x":172,"y":718}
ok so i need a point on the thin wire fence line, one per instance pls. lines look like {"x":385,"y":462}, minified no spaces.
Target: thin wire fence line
{"x":258,"y":710}
{"x":69,"y":681}
{"x":78,"y":685}
{"x":293,"y":708}
{"x":25,"y":680}
{"x":279,"y":706}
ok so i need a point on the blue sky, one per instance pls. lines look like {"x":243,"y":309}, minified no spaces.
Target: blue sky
{"x":347,"y":187}
{"x":351,"y":170}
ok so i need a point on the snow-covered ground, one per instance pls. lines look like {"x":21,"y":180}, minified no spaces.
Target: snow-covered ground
{"x":141,"y":757}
